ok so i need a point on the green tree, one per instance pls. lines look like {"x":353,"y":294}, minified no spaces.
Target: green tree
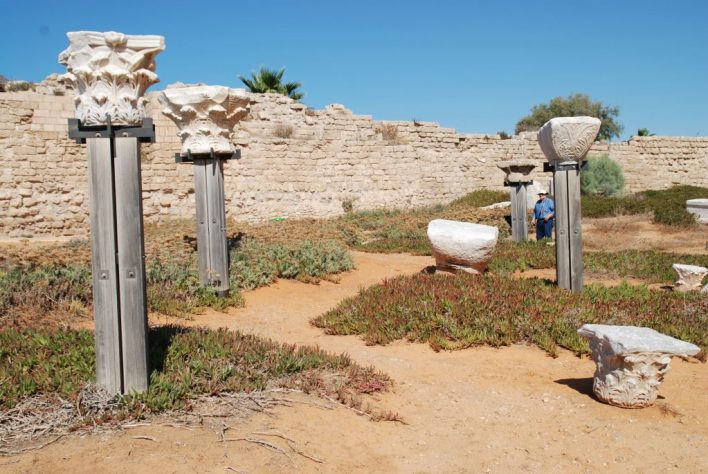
{"x":602,"y":177}
{"x":270,"y":80}
{"x":573,"y":106}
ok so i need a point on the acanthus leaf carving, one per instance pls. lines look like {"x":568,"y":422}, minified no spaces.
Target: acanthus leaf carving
{"x":564,"y":139}
{"x":205,"y":115}
{"x":110,"y":73}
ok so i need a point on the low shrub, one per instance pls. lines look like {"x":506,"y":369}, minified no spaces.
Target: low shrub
{"x":668,"y":205}
{"x":283,"y":131}
{"x":602,"y":177}
{"x":467,"y":310}
{"x":185,"y":363}
{"x":648,"y":265}
{"x":255,"y":264}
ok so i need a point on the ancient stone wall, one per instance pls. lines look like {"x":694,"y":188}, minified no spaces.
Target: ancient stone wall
{"x":295,"y":162}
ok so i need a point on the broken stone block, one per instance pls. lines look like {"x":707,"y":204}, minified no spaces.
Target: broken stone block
{"x":699,"y":208}
{"x":631,"y":362}
{"x":689,"y":277}
{"x":517,"y":171}
{"x":462,"y":245}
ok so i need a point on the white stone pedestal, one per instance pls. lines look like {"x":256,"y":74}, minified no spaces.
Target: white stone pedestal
{"x":462,"y":245}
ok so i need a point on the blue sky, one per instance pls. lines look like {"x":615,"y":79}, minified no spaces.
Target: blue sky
{"x":477,"y":66}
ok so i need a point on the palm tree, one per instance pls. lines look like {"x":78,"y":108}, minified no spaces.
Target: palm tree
{"x":268,"y":80}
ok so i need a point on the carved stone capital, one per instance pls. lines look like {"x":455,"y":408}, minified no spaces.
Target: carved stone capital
{"x":631,"y":362}
{"x":564,"y":139}
{"x":110,"y":73}
{"x":517,"y":171}
{"x":205,"y":115}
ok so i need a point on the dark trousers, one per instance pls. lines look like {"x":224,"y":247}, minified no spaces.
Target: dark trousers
{"x":544,"y":229}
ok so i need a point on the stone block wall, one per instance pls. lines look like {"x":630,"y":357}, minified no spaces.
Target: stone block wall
{"x":295,"y":162}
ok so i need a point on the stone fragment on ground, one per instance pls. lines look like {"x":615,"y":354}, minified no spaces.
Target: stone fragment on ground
{"x":498,"y":205}
{"x":462,"y":245}
{"x":689,"y":277}
{"x":631,"y":362}
{"x":699,"y":208}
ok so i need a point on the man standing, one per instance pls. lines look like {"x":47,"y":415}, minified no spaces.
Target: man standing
{"x":543,"y":216}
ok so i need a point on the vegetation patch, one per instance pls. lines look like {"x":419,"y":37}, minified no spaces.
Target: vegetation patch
{"x":47,"y":380}
{"x":668,"y":206}
{"x":467,"y":310}
{"x":648,"y":265}
{"x":32,"y":288}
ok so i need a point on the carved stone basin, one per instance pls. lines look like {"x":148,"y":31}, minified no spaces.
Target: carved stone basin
{"x":565,"y":139}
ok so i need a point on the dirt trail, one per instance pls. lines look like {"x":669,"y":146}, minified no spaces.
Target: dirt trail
{"x":477,"y":410}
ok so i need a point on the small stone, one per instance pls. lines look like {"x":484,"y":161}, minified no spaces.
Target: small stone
{"x":689,"y":277}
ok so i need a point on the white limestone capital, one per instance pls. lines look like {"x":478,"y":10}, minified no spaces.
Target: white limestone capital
{"x":110,"y":73}
{"x":205,"y":115}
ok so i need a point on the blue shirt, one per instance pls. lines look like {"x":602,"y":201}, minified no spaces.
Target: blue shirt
{"x":543,"y":208}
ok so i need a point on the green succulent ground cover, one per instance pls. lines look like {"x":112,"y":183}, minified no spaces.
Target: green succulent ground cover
{"x":467,"y":310}
{"x":185,"y":363}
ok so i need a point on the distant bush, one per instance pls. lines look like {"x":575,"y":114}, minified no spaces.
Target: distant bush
{"x":602,"y":177}
{"x":18,"y":86}
{"x":389,"y":132}
{"x":283,"y":131}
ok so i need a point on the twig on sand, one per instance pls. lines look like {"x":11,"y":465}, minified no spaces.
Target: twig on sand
{"x":265,"y":444}
{"x":148,"y":438}
{"x":291,"y":442}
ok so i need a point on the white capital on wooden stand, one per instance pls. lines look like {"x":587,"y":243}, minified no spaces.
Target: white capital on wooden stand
{"x":565,"y":141}
{"x":205,"y":115}
{"x":631,"y":362}
{"x":110,"y":73}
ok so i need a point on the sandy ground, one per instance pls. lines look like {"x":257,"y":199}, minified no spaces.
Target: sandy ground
{"x":477,"y":410}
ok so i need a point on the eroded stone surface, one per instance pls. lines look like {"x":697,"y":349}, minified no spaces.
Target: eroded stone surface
{"x":110,"y":73}
{"x":517,"y":171}
{"x":689,"y":277}
{"x":699,"y":208}
{"x":564,"y":139}
{"x":462,"y":245}
{"x":205,"y":115}
{"x":631,"y":362}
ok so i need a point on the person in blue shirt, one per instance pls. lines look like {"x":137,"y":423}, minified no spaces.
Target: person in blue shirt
{"x":543,"y":216}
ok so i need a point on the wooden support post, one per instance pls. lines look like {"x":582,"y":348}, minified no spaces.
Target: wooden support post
{"x":131,"y":264}
{"x":569,"y":258}
{"x":519,"y":213}
{"x":120,"y":308}
{"x":212,"y":247}
{"x":104,"y":267}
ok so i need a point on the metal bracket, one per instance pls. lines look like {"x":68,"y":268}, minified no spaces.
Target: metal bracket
{"x":566,"y":166}
{"x":145,"y":133}
{"x":520,"y":183}
{"x":192,"y":157}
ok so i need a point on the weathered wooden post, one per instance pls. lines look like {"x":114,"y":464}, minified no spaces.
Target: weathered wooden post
{"x":517,"y":177}
{"x":205,"y":116}
{"x":565,"y":141}
{"x":110,"y":73}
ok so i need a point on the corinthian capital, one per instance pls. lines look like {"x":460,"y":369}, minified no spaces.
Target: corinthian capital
{"x":205,"y":115}
{"x":564,"y":139}
{"x":110,"y":73}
